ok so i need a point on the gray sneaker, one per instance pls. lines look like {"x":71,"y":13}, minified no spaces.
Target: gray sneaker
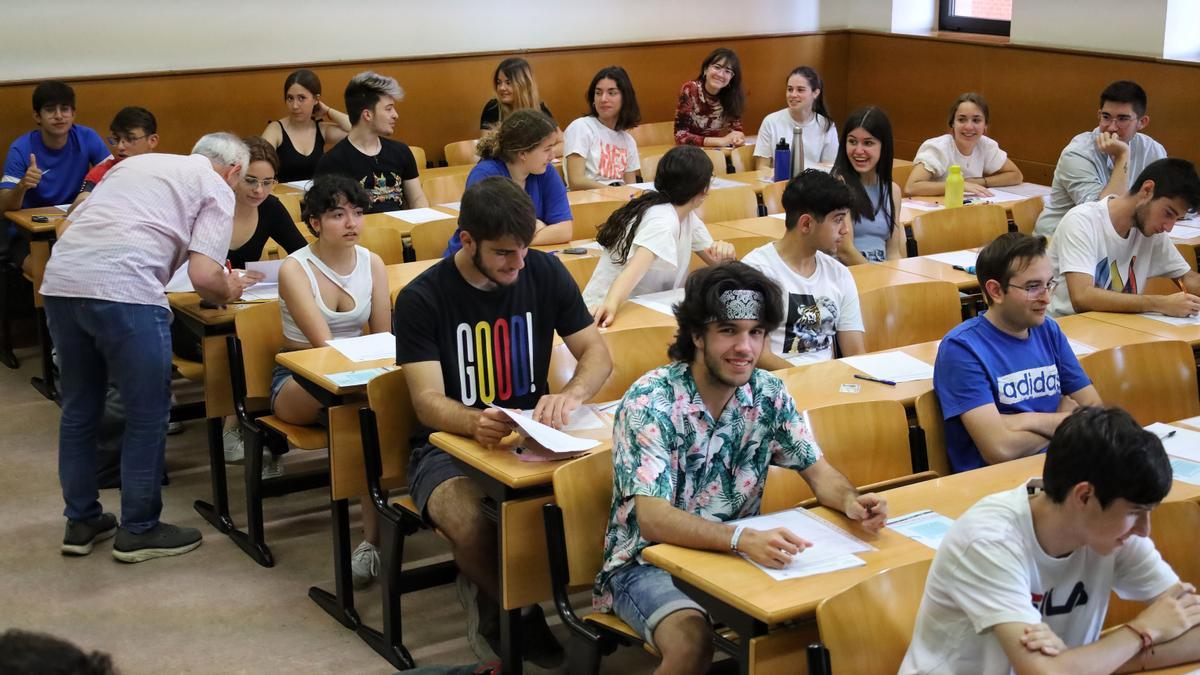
{"x":158,"y":542}
{"x":483,"y":628}
{"x":81,"y":535}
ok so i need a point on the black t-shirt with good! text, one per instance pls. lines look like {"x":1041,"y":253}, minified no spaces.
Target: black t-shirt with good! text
{"x":493,"y":346}
{"x":382,"y":175}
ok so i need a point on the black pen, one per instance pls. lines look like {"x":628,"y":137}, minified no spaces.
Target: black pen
{"x":874,"y":379}
{"x":1167,"y":435}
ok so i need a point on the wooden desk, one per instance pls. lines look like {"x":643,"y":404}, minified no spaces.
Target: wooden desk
{"x":402,"y":226}
{"x":754,"y":179}
{"x":763,"y":226}
{"x":818,"y":384}
{"x":752,"y":604}
{"x":1093,"y":332}
{"x":400,"y":275}
{"x":41,"y":238}
{"x":935,"y":269}
{"x":870,"y":276}
{"x":1141,"y":324}
{"x":518,"y":491}
{"x":1030,"y":190}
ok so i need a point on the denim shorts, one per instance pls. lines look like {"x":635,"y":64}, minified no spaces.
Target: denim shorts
{"x":429,"y":467}
{"x":644,"y":595}
{"x":279,"y":376}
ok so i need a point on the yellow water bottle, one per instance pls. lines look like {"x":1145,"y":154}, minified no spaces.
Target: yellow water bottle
{"x":954,"y":187}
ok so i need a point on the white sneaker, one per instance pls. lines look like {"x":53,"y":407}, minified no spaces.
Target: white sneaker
{"x":235,"y":448}
{"x":364,"y":564}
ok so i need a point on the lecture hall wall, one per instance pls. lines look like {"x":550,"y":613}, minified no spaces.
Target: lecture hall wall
{"x":221,"y":65}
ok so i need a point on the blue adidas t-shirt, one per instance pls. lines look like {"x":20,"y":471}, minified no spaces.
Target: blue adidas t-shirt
{"x":978,"y":364}
{"x":546,"y":189}
{"x":62,"y":169}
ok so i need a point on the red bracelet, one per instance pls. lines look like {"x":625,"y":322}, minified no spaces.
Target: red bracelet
{"x":1147,"y":641}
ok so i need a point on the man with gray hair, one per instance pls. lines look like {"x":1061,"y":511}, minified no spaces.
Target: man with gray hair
{"x":386,"y":168}
{"x":108,"y":315}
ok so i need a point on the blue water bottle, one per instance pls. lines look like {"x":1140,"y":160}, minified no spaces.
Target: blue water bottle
{"x":783,"y":161}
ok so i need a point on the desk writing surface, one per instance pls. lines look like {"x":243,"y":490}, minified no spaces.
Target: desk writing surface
{"x":23,"y":219}
{"x":503,"y":465}
{"x":934,"y":269}
{"x":819,"y":384}
{"x":872,"y":276}
{"x":189,"y":304}
{"x":401,"y":226}
{"x":1095,"y":333}
{"x":753,"y":179}
{"x":1141,"y":324}
{"x":401,"y":274}
{"x":314,"y":364}
{"x":763,"y":226}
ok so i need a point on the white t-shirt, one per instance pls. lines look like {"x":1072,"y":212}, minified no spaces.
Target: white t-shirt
{"x":672,"y":243}
{"x":820,"y":144}
{"x":608,"y":155}
{"x":815,"y":308}
{"x":937,"y":154}
{"x":1087,"y":242}
{"x":990,"y":569}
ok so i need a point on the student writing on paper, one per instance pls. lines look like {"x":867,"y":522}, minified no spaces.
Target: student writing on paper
{"x":598,"y":149}
{"x":648,"y":243}
{"x":818,"y":296}
{"x":301,"y":137}
{"x":1105,"y":251}
{"x":330,"y":289}
{"x":709,"y":110}
{"x":45,"y":166}
{"x":108,"y":316}
{"x":864,"y":161}
{"x":1066,"y":542}
{"x":477,"y":328}
{"x":805,"y":98}
{"x":384,"y":167}
{"x":692,"y":442}
{"x":1007,"y":378}
{"x":984,"y":165}
{"x":1105,"y":160}
{"x":521,"y":150}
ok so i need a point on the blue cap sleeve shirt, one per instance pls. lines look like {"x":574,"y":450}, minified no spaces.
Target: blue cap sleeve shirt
{"x":978,"y":364}
{"x":63,"y":169}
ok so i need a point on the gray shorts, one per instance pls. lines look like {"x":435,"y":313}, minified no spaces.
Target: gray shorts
{"x":644,"y":595}
{"x":429,"y":467}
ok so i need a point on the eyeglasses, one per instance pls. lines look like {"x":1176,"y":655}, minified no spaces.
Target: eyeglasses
{"x":1036,"y":288}
{"x":721,"y":69}
{"x":1119,"y":119}
{"x":253,"y":183}
{"x":129,"y":140}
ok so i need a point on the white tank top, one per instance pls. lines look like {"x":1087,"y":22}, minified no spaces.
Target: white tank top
{"x":357,"y":285}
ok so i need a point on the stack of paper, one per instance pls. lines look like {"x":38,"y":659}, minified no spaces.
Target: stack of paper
{"x":924,"y":527}
{"x":892,"y":366}
{"x":832,"y":549}
{"x":366,"y":347}
{"x":1182,"y":232}
{"x":548,"y":437}
{"x":1027,"y":190}
{"x":418,"y":216}
{"x":964,"y":258}
{"x":1002,"y":197}
{"x":1177,"y":441}
{"x":582,"y":418}
{"x":662,"y":301}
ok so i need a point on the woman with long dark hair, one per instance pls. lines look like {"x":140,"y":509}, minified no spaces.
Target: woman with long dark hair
{"x":301,"y":137}
{"x":598,"y":149}
{"x":805,"y":97}
{"x":710,"y":107}
{"x":864,"y":161}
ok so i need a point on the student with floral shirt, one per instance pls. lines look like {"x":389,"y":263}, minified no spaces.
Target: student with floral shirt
{"x":691,"y":445}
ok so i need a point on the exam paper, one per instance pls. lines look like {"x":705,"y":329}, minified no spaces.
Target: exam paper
{"x":662,"y":301}
{"x":366,"y":347}
{"x":719,"y":183}
{"x":1182,"y":442}
{"x":550,"y":438}
{"x":1079,"y":348}
{"x":1181,"y":232}
{"x":894,"y":366}
{"x":1001,"y":197}
{"x":779,"y":216}
{"x":1173,"y":320}
{"x":961,"y":258}
{"x":300,"y":184}
{"x":417,"y":216}
{"x":921,"y":206}
{"x":832,"y":548}
{"x":453,"y":206}
{"x":582,"y":418}
{"x":924,"y":527}
{"x":261,"y":291}
{"x":180,"y":282}
{"x":353,"y":378}
{"x":1026,"y":190}
{"x":1183,"y":470}
{"x":269,"y":268}
{"x":62,"y":207}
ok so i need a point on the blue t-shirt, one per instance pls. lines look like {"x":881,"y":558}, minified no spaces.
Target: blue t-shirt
{"x":978,"y":364}
{"x":546,"y":189}
{"x":62,"y":170}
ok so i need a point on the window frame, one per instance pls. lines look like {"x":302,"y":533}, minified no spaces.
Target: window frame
{"x":949,"y":21}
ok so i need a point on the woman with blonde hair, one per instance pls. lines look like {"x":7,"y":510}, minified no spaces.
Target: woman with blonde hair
{"x":515,"y":89}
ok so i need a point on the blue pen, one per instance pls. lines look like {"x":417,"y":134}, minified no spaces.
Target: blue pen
{"x":968,"y":270}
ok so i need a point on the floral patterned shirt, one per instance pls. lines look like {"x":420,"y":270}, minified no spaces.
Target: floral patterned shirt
{"x":699,"y":115}
{"x":667,"y":445}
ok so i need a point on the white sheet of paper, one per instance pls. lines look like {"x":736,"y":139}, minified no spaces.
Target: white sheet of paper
{"x":894,"y":366}
{"x":300,"y":184}
{"x":549,"y":437}
{"x":778,"y":216}
{"x":593,"y":246}
{"x":269,"y":268}
{"x":418,"y":216}
{"x":921,"y":206}
{"x":261,"y":291}
{"x":1026,"y":190}
{"x":353,"y":378}
{"x":924,"y":527}
{"x":1002,"y":196}
{"x":642,"y":186}
{"x":1183,"y":443}
{"x":1191,"y":422}
{"x":1079,"y":348}
{"x":662,"y":301}
{"x":582,"y":418}
{"x":832,"y":548}
{"x":453,"y":206}
{"x":965,"y":258}
{"x":62,"y":207}
{"x":1173,"y":320}
{"x":1181,"y":232}
{"x":179,"y":282}
{"x":1183,"y":470}
{"x":719,"y":183}
{"x":366,"y":347}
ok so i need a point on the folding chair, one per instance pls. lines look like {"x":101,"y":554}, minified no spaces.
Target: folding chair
{"x":960,"y":228}
{"x":1153,"y":381}
{"x":909,"y":314}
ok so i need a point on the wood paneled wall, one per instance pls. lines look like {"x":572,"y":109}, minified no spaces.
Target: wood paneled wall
{"x":1039,"y":98}
{"x":443,"y":95}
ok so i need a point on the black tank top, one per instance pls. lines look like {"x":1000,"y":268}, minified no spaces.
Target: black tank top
{"x":292,"y":164}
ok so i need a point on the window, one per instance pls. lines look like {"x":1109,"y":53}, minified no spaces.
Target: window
{"x":975,"y":16}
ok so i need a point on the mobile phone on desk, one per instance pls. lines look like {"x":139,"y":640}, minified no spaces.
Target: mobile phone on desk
{"x":40,"y":219}
{"x":575,"y":250}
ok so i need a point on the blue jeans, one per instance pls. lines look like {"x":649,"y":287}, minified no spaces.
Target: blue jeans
{"x":644,"y":595}
{"x":131,"y":343}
